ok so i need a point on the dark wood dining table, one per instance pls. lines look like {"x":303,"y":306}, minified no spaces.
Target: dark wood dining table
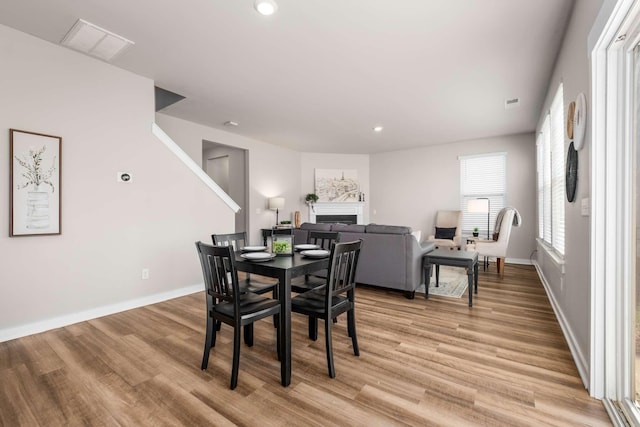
{"x":283,"y":268}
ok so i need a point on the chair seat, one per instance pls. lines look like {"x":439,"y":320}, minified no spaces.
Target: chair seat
{"x":304,"y":284}
{"x":250,"y":304}
{"x":444,"y":243}
{"x":312,"y":302}
{"x":257,"y":286}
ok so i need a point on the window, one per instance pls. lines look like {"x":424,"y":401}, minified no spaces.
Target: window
{"x":551,"y":173}
{"x":482,"y":176}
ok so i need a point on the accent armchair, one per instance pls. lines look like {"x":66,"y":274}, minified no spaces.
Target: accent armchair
{"x":448,"y":230}
{"x":497,"y":248}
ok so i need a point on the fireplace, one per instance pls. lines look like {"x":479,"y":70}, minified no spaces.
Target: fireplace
{"x":343,"y":212}
{"x":343,"y":219}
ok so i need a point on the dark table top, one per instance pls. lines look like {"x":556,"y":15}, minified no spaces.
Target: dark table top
{"x":451,"y":255}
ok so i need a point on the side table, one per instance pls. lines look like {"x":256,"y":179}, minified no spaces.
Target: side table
{"x":465,"y":259}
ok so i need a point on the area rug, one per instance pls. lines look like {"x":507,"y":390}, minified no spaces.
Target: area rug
{"x":453,"y":282}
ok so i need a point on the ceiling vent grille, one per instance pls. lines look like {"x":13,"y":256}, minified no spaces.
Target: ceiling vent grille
{"x":95,"y":41}
{"x":511,"y":103}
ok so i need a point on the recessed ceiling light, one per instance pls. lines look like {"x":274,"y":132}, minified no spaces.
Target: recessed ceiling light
{"x":266,"y":7}
{"x":230,"y":123}
{"x":378,"y":129}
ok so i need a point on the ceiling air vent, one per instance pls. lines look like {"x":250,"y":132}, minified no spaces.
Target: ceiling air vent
{"x":511,"y":103}
{"x":95,"y":41}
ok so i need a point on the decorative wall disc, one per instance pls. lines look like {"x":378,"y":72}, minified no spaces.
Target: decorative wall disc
{"x":570,"y":113}
{"x":580,"y":121}
{"x":571,"y":177}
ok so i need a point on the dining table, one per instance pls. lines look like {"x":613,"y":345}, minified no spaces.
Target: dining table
{"x":284,"y":268}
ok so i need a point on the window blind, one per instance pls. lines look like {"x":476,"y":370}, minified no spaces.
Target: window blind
{"x":482,"y":176}
{"x":557,"y":170}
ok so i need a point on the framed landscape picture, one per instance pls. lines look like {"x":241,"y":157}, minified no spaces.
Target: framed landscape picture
{"x":337,"y":185}
{"x":35,"y":183}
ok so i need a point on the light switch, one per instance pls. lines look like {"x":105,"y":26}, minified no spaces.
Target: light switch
{"x":584,"y":206}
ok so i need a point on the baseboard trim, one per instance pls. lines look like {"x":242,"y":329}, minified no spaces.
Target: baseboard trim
{"x":578,"y":357}
{"x":518,"y":261}
{"x":69,"y":319}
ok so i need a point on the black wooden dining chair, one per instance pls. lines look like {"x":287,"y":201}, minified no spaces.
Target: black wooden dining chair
{"x":227,"y":304}
{"x":337,"y":297}
{"x":257,"y":284}
{"x":324,"y":239}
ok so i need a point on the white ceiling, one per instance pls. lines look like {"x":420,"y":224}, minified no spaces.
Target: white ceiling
{"x":320,"y":74}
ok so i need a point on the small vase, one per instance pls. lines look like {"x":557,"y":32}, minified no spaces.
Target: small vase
{"x":37,"y":209}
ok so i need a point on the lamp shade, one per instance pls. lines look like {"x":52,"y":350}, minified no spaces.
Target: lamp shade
{"x":276,"y":203}
{"x":478,"y":205}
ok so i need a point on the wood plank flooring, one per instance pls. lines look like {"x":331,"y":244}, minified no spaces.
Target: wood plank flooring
{"x":503,"y":362}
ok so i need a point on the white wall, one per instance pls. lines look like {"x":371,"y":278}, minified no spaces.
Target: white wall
{"x":409,"y":187}
{"x":570,"y":291}
{"x":273,"y":171}
{"x":235,"y":178}
{"x":312,"y":161}
{"x":110,"y":231}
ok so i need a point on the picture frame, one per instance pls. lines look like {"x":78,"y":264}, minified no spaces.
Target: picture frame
{"x":35,"y":184}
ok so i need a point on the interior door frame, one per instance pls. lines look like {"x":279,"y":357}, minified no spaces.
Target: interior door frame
{"x":613,"y":213}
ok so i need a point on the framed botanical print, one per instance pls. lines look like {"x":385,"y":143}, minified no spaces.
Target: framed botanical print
{"x":35,"y":183}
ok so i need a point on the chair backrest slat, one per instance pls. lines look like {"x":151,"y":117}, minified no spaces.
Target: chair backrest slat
{"x":237,"y":240}
{"x":218,"y":269}
{"x":342,"y":268}
{"x":324,"y":239}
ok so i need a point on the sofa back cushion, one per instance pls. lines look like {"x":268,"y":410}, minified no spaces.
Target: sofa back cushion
{"x":387,"y":229}
{"x":352,"y":228}
{"x":312,"y":226}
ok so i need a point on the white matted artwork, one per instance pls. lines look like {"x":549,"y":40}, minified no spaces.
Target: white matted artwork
{"x":35,"y":183}
{"x":337,"y":185}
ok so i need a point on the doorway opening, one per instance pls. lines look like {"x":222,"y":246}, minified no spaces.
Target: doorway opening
{"x":227,"y":166}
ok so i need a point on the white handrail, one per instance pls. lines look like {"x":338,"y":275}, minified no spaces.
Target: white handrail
{"x":195,"y":168}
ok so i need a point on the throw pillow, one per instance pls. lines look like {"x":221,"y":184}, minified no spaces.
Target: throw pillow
{"x":445,"y":232}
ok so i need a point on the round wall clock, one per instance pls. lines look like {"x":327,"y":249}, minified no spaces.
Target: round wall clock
{"x":571,"y":178}
{"x":580,"y":121}
{"x":570,"y":113}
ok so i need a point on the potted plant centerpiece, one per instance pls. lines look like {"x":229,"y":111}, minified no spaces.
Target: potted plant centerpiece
{"x":475,"y":232}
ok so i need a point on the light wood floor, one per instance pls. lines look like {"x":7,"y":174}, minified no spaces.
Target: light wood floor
{"x":422,"y":362}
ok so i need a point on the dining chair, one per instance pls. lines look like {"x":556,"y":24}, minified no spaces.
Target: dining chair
{"x":305,"y":283}
{"x":333,"y":299}
{"x":227,"y":304}
{"x":255,"y":283}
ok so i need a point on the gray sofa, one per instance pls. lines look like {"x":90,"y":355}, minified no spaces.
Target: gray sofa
{"x":391,"y":257}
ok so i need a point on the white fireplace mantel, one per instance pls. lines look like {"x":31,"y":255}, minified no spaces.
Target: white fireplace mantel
{"x":337,"y":208}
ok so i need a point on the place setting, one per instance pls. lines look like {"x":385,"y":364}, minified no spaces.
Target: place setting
{"x":256,"y":253}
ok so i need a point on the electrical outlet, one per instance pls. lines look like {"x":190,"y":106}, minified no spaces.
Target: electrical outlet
{"x":145,"y":273}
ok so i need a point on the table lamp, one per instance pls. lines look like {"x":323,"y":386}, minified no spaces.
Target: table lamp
{"x":275,"y":204}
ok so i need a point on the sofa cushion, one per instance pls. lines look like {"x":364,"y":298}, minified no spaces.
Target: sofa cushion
{"x":387,"y":229}
{"x":352,"y":228}
{"x":312,"y":226}
{"x":445,"y":232}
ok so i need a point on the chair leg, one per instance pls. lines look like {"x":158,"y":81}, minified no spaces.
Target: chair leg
{"x":275,"y":316}
{"x":236,"y":357}
{"x":209,"y":341}
{"x":329,"y":345}
{"x":313,"y":328}
{"x":500,"y":266}
{"x":351,"y":320}
{"x":248,"y":335}
{"x":218,"y":325}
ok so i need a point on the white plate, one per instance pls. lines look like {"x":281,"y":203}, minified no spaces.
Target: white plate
{"x":319,"y":253}
{"x":258,"y":256}
{"x":306,"y":247}
{"x":254,"y":249}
